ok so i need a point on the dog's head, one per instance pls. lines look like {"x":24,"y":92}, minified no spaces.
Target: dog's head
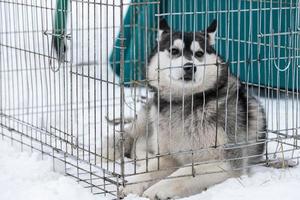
{"x":184,"y":63}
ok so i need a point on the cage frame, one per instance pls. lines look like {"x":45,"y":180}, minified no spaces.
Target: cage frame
{"x":66,"y":148}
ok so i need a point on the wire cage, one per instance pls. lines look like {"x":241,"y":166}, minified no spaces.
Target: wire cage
{"x":73,"y":78}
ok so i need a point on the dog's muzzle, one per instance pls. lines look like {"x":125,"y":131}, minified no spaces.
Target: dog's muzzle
{"x":189,"y":71}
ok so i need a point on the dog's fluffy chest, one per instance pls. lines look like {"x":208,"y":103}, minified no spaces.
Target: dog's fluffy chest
{"x":174,"y":130}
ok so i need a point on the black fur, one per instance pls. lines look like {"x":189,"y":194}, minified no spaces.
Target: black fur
{"x":168,"y":38}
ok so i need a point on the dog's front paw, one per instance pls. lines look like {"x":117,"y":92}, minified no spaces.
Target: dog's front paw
{"x":161,"y":191}
{"x":136,"y":189}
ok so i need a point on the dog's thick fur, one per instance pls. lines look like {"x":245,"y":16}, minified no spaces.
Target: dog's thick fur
{"x":203,"y":109}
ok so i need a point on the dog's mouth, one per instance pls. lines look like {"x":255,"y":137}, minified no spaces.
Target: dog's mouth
{"x":187,"y":77}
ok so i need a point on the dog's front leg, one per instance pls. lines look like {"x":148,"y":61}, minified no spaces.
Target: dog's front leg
{"x":137,"y":184}
{"x":182,"y":184}
{"x":111,"y":148}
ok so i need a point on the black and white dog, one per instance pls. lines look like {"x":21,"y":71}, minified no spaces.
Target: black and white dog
{"x":198,"y":107}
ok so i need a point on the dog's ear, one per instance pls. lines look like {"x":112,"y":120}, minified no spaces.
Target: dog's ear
{"x":163,"y":27}
{"x":211,"y":32}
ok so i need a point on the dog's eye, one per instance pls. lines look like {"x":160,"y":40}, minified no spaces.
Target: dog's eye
{"x":199,"y":54}
{"x":174,"y":51}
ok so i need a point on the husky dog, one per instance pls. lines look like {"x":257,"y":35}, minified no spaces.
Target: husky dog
{"x":201,"y":126}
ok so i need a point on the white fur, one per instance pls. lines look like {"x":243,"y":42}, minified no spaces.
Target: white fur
{"x":212,"y":37}
{"x":181,"y":183}
{"x":159,"y":34}
{"x":195,"y":46}
{"x":149,"y":184}
{"x":178,"y":43}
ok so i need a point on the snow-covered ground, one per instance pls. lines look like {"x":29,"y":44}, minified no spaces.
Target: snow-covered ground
{"x":25,"y":176}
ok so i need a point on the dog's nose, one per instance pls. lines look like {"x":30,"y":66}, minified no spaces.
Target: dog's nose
{"x":189,"y":68}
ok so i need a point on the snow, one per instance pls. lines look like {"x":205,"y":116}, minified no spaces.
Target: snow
{"x":25,"y":176}
{"x":266,"y":183}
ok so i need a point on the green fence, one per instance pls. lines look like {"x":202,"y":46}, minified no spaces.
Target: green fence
{"x":259,"y":38}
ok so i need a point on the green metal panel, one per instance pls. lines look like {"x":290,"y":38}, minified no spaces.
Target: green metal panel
{"x":60,"y":25}
{"x":139,"y":33}
{"x":255,"y":55}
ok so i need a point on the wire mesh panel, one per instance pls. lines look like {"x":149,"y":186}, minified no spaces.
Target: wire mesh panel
{"x":56,"y":87}
{"x":126,"y":94}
